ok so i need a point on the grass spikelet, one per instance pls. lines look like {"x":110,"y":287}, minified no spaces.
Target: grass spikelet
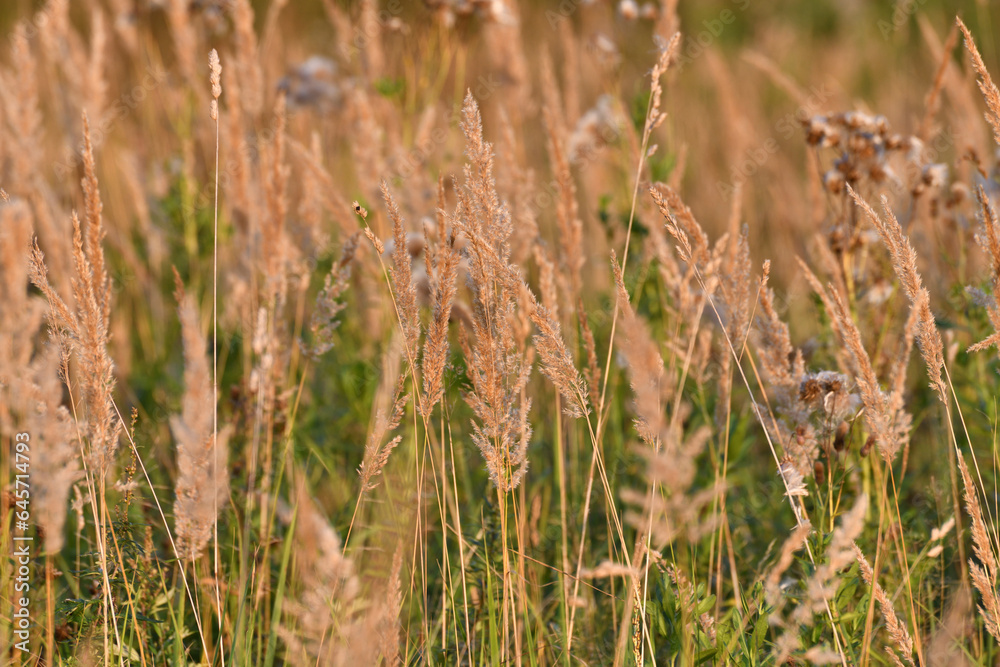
{"x":822,"y":585}
{"x":794,"y":542}
{"x":203,"y":480}
{"x":55,"y":462}
{"x":387,"y":618}
{"x":989,"y":89}
{"x":444,"y":272}
{"x":646,"y":373}
{"x":782,"y":364}
{"x":671,"y":507}
{"x":681,"y":224}
{"x":86,"y":328}
{"x":370,"y":22}
{"x":547,"y":281}
{"x":377,"y":451}
{"x":984,"y":573}
{"x":97,"y":85}
{"x":328,"y":302}
{"x":567,"y":209}
{"x":274,"y":250}
{"x":877,"y":414}
{"x":669,"y":53}
{"x":215,"y":79}
{"x":498,"y":370}
{"x":185,"y":37}
{"x":592,"y":372}
{"x":898,"y":634}
{"x":404,"y":291}
{"x":904,"y":261}
{"x":989,"y":241}
{"x":324,"y":611}
{"x":30,"y":379}
{"x":735,"y":281}
{"x":94,"y":234}
{"x":248,"y":70}
{"x":21,"y":104}
{"x":557,"y":363}
{"x":27,"y":315}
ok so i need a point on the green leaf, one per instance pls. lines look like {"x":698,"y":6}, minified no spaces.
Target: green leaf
{"x":759,"y":633}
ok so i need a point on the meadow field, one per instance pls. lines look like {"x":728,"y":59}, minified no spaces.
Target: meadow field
{"x":497,"y":332}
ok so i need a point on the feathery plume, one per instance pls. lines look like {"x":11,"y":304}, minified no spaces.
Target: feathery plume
{"x":402,"y":276}
{"x":30,"y":389}
{"x":329,"y":630}
{"x":947,"y":645}
{"x":681,"y":224}
{"x":794,"y":542}
{"x":185,"y":38}
{"x":275,"y":247}
{"x":984,"y":573}
{"x":898,"y":634}
{"x":668,"y":55}
{"x":97,"y":86}
{"x":567,"y":210}
{"x":670,"y":507}
{"x":55,"y":457}
{"x":202,"y":461}
{"x":19,"y":94}
{"x":646,"y":374}
{"x":557,"y":363}
{"x":989,"y":241}
{"x":904,"y":260}
{"x":386,"y":613}
{"x":247,"y":66}
{"x":990,"y":92}
{"x":444,"y":269}
{"x":821,"y":586}
{"x":371,"y":25}
{"x":877,"y":414}
{"x":592,"y":373}
{"x":498,"y":367}
{"x":328,"y":304}
{"x":547,"y":281}
{"x":85,"y":329}
{"x":388,"y":415}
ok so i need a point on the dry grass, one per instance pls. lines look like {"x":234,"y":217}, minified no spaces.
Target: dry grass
{"x":341,"y":452}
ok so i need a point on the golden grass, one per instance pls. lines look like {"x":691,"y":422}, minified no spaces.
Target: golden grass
{"x":360,"y":464}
